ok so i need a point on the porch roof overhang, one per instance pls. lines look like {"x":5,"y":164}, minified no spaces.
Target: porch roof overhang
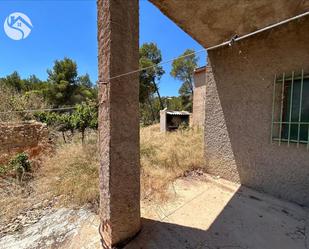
{"x":212,"y":22}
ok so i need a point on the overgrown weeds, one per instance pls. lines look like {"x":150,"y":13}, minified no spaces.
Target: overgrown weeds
{"x":166,"y":156}
{"x":73,"y":171}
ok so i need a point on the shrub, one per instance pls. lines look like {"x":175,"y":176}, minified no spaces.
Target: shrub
{"x":3,"y":169}
{"x":12,"y":101}
{"x":84,"y":116}
{"x":49,"y":118}
{"x":21,"y":164}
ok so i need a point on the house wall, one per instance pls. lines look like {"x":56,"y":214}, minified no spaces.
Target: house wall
{"x":239,"y":108}
{"x":199,"y":94}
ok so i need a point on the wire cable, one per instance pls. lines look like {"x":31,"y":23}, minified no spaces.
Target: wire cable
{"x":153,"y":66}
{"x":230,"y":42}
{"x":226,"y":43}
{"x":38,"y":110}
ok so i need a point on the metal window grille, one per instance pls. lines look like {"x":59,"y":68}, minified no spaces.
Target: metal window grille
{"x":290,"y":109}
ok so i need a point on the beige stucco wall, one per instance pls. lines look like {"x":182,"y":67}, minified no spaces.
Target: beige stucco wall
{"x":211,"y":22}
{"x":199,"y":93}
{"x":238,"y":112}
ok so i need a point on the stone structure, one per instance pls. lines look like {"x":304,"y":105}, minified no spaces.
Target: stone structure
{"x":118,"y":38}
{"x":30,"y":137}
{"x":199,"y":94}
{"x":171,"y":120}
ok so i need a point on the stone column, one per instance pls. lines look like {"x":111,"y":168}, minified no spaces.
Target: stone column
{"x":118,"y":38}
{"x":163,"y":120}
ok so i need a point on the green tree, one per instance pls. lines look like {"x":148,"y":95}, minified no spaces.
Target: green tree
{"x":173,"y":103}
{"x":84,"y":90}
{"x":84,"y":80}
{"x":66,"y":86}
{"x":183,"y":70}
{"x":13,"y":81}
{"x":63,"y":70}
{"x":63,"y":79}
{"x":150,"y":56}
{"x":33,"y":83}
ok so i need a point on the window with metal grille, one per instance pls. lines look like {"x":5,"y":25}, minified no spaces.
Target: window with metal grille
{"x":290,"y":110}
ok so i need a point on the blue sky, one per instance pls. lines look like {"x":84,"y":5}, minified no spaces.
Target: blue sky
{"x":68,"y":28}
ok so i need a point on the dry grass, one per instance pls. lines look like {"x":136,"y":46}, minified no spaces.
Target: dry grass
{"x":166,"y":156}
{"x":14,"y":199}
{"x":72,"y":172}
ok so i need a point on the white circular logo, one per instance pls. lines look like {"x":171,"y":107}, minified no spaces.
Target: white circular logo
{"x":17,"y":26}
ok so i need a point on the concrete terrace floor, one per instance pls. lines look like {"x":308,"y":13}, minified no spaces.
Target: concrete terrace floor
{"x":213,"y":214}
{"x":203,"y":213}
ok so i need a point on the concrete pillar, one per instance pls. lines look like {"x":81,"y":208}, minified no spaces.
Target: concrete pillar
{"x":118,"y":35}
{"x":163,"y":120}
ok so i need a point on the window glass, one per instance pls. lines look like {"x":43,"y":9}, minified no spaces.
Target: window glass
{"x":295,"y":102}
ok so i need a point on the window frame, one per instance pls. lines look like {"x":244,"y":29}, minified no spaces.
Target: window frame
{"x":282,"y":109}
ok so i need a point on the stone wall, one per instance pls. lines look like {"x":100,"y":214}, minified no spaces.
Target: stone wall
{"x":31,"y":137}
{"x":199,"y":94}
{"x":239,"y":110}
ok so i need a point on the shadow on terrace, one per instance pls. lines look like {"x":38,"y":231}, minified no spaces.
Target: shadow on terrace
{"x":223,"y":215}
